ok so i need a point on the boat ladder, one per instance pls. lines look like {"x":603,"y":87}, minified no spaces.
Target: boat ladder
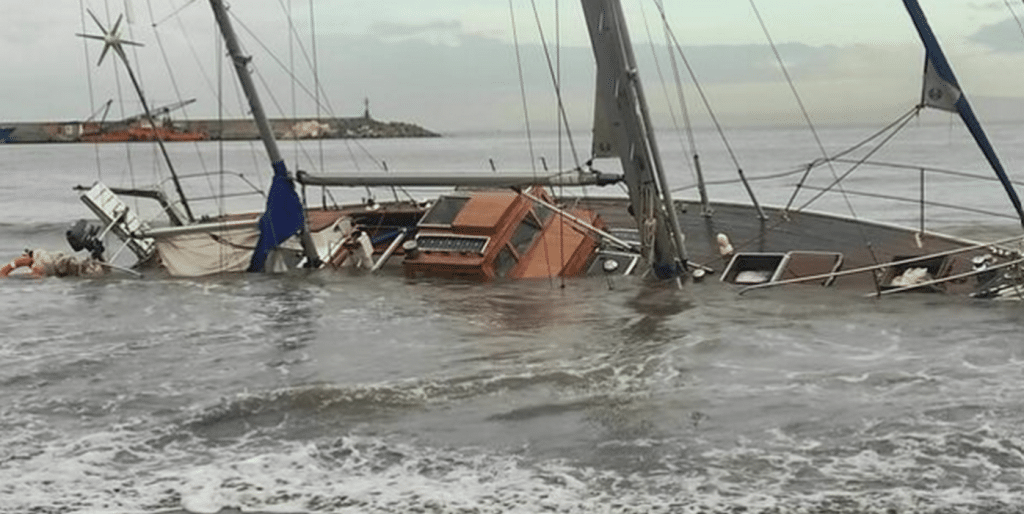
{"x":118,"y":218}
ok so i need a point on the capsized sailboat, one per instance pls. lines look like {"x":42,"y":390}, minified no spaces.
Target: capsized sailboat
{"x":493,"y":234}
{"x":509,"y":226}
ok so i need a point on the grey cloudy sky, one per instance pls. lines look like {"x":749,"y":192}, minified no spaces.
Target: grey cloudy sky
{"x":450,"y":65}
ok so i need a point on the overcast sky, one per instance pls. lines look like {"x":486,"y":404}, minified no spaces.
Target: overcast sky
{"x":450,"y":65}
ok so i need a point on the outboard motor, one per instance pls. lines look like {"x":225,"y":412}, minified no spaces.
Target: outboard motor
{"x":82,"y":236}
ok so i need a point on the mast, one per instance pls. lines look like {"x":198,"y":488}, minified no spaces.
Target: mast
{"x":622,"y":102}
{"x":284,"y":214}
{"x":942,"y":91}
{"x":112,"y":40}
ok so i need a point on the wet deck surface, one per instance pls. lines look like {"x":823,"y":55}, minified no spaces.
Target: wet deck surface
{"x":860,"y":243}
{"x":823,"y":240}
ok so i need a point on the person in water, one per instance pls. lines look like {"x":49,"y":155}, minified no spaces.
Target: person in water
{"x":42,"y":263}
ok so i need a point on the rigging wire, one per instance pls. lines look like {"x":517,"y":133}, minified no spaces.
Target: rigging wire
{"x":799,"y":101}
{"x":316,"y":75}
{"x":174,"y":13}
{"x":320,"y":96}
{"x":219,"y":44}
{"x":325,"y":98}
{"x":557,"y":85}
{"x":174,"y":84}
{"x":89,"y":83}
{"x":900,"y":121}
{"x":1015,"y":18}
{"x":561,"y":113}
{"x":526,"y":113}
{"x":130,"y":162}
{"x":711,"y":112}
{"x":217,"y":88}
{"x":522,"y":89}
{"x":291,"y":67}
{"x":672,"y":113}
{"x":838,"y":179}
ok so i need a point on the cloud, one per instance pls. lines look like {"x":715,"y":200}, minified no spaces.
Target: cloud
{"x":986,"y":6}
{"x":1005,"y":36}
{"x":446,"y":78}
{"x":386,"y":28}
{"x":443,"y":32}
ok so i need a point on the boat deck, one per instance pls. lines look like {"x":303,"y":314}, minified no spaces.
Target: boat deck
{"x":858,"y":243}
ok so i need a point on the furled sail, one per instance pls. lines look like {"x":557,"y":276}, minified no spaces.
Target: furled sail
{"x":603,"y":143}
{"x":282,"y":218}
{"x":628,"y":126}
{"x":942,"y":91}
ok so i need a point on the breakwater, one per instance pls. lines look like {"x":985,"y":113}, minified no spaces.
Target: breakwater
{"x":203,"y":129}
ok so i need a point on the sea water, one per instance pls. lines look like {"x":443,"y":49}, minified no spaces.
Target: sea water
{"x":336,"y":393}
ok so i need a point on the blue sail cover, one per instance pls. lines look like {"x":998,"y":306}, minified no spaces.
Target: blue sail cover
{"x":940,"y":67}
{"x":282,"y":219}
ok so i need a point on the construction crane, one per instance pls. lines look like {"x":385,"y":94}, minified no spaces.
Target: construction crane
{"x":159,"y":111}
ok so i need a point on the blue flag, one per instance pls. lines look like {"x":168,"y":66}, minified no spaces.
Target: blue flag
{"x":282,"y":219}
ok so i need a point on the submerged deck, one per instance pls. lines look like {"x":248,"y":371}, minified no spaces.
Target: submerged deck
{"x":860,"y":243}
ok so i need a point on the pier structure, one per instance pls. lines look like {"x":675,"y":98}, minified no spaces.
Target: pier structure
{"x":213,"y":129}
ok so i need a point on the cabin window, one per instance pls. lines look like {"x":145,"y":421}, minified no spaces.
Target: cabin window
{"x":443,"y":212}
{"x":448,"y":243}
{"x":542,"y":213}
{"x":504,"y":262}
{"x":526,"y":232}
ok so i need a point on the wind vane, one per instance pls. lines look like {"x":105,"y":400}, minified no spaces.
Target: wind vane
{"x":111,"y":38}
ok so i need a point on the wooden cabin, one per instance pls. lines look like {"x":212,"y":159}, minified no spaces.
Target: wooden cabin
{"x":486,"y":235}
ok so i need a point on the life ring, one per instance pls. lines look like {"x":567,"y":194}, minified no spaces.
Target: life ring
{"x":23,"y":261}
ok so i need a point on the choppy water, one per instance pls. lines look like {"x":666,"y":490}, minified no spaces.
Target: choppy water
{"x":345,"y":394}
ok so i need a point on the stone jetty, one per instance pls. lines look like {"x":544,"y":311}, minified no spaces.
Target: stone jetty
{"x":228,"y":130}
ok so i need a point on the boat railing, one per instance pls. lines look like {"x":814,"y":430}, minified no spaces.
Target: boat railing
{"x":918,"y":197}
{"x":1014,"y":260}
